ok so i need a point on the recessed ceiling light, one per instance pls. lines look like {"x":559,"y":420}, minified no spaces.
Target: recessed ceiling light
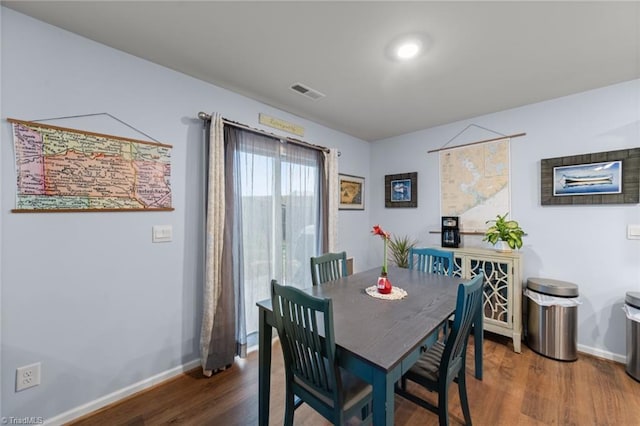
{"x":407,"y":46}
{"x":408,"y":50}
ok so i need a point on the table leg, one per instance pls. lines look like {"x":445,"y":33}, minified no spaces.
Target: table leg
{"x":478,"y":337}
{"x":265,"y":332}
{"x":383,"y":399}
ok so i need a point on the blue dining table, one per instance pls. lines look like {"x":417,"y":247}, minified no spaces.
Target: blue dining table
{"x":376,"y":339}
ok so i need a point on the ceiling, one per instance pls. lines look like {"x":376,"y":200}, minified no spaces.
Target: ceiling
{"x":482,"y":57}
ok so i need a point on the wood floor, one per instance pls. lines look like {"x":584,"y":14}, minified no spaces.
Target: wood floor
{"x":518,"y":389}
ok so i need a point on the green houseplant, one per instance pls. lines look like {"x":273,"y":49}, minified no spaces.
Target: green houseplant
{"x":400,"y":247}
{"x":508,"y":231}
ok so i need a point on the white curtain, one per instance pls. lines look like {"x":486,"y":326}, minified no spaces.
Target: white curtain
{"x":215,"y":216}
{"x":256,"y":187}
{"x":301,"y":212}
{"x":331,"y":166}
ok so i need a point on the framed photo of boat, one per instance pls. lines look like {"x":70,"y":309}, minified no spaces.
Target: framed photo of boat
{"x":401,"y":190}
{"x":588,"y":179}
{"x":611,"y":177}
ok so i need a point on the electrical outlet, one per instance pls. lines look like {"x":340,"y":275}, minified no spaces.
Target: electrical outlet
{"x":27,"y":376}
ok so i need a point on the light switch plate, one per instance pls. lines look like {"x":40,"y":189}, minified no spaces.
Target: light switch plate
{"x":633,"y":232}
{"x":162,"y":233}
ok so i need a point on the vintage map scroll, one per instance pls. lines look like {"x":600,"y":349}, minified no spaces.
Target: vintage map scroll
{"x":474,"y":183}
{"x":60,"y":169}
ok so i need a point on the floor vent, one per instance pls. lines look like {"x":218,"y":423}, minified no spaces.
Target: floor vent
{"x":307,"y":91}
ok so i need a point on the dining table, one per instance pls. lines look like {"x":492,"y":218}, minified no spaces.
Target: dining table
{"x":376,"y":339}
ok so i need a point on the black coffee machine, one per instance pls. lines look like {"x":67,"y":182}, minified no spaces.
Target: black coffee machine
{"x":450,"y":231}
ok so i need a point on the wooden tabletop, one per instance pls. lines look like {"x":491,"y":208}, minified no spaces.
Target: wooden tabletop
{"x":383,"y":332}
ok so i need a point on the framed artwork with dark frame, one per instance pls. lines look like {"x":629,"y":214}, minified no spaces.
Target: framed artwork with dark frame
{"x":401,"y":190}
{"x":351,"y":192}
{"x":611,"y":177}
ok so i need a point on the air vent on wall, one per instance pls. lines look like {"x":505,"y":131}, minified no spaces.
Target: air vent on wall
{"x":307,"y":91}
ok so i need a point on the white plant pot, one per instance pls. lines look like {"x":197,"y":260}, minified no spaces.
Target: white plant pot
{"x":503,"y":247}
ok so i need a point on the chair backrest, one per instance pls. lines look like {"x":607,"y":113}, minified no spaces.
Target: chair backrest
{"x":305,"y":329}
{"x":468,"y":307}
{"x":431,"y":260}
{"x":328,"y":267}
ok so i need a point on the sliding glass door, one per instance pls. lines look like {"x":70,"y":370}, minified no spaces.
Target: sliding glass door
{"x":277,"y":203}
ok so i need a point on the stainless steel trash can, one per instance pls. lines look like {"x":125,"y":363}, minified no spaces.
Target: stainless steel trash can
{"x":633,"y":337}
{"x":552,"y":327}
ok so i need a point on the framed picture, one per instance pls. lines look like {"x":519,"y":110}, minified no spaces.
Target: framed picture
{"x":351,"y":192}
{"x":610,"y":177}
{"x":587,"y":179}
{"x":401,"y":190}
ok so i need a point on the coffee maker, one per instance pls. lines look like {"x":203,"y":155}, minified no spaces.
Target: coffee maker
{"x":450,"y":232}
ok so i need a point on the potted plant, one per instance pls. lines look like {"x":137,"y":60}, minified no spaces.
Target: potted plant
{"x":400,"y":247}
{"x":505,"y":234}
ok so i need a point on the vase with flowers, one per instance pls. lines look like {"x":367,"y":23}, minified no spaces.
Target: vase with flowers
{"x":384,"y":285}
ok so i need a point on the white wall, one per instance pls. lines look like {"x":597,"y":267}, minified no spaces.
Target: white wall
{"x":87,"y":294}
{"x":585,"y":244}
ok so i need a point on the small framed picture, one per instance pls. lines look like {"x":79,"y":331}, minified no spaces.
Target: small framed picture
{"x":351,"y":192}
{"x":401,"y":190}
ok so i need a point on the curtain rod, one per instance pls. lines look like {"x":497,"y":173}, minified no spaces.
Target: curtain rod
{"x":517,"y":135}
{"x":207,"y":117}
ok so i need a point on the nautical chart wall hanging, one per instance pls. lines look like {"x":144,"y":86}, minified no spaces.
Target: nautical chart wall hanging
{"x":474,"y":183}
{"x":69,"y":170}
{"x":475,"y":180}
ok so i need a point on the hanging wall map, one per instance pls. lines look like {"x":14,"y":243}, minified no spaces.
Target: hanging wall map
{"x":474,"y":183}
{"x":61,"y":169}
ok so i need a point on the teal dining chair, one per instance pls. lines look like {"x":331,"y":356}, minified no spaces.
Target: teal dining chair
{"x":437,"y":261}
{"x":444,"y":363}
{"x":328,"y":267}
{"x":431,"y":260}
{"x":312,"y":374}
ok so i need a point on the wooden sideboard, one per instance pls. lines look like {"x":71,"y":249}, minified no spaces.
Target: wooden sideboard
{"x":502,"y":291}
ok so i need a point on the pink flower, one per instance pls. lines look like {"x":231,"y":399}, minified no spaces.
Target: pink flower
{"x":385,"y":237}
{"x":377,"y":230}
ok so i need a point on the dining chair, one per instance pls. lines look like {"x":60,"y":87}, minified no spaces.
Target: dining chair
{"x":328,"y":267}
{"x":305,"y":328}
{"x":442,"y":262}
{"x":443,"y":363}
{"x":431,"y":260}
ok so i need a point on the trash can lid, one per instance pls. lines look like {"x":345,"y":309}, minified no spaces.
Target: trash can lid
{"x":553,"y":287}
{"x":633,"y":299}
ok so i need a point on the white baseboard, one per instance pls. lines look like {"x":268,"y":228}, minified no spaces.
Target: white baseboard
{"x":120,"y":394}
{"x":603,"y":354}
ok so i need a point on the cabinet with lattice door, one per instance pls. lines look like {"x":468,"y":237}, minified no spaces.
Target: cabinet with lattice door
{"x":502,"y":290}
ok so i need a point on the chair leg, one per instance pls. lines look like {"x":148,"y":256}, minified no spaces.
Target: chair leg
{"x":464,"y":402}
{"x":443,"y":405}
{"x":478,"y":337}
{"x":289,"y":407}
